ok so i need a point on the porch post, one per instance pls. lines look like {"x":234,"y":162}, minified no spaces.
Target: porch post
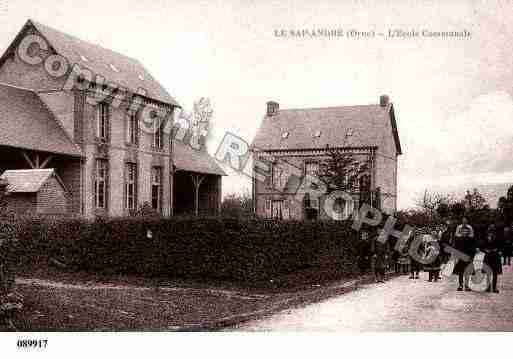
{"x":196,"y":180}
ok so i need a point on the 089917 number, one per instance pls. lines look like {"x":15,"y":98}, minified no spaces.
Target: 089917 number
{"x":32,"y":343}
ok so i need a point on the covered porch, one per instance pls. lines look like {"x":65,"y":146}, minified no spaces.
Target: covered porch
{"x":67,"y":168}
{"x":197,"y":181}
{"x":196,"y":193}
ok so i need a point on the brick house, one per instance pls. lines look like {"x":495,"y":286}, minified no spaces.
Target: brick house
{"x":104,"y":133}
{"x":292,"y":142}
{"x":35,"y":191}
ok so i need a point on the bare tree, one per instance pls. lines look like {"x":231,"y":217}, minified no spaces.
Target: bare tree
{"x":433,"y":203}
{"x":474,"y":200}
{"x":202,"y":114}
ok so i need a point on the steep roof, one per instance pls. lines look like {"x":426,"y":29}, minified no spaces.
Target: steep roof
{"x":61,"y":105}
{"x":27,"y":123}
{"x":115,"y":67}
{"x":26,"y":181}
{"x":188,"y":159}
{"x":315,"y":128}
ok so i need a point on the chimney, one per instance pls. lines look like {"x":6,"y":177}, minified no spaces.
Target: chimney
{"x":272,"y":108}
{"x":384,"y":100}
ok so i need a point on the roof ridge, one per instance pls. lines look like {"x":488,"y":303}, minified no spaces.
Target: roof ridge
{"x":73,"y":37}
{"x":31,"y":169}
{"x":43,"y":91}
{"x":331,"y":107}
{"x":5,"y":84}
{"x":13,"y":178}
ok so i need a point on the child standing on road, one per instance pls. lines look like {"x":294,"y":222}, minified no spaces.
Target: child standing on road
{"x":491,"y":247}
{"x":415,"y":266}
{"x":464,"y":241}
{"x":379,"y":260}
{"x":364,"y":253}
{"x":404,"y":263}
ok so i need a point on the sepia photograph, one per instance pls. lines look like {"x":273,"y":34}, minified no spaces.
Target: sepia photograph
{"x":329,"y":169}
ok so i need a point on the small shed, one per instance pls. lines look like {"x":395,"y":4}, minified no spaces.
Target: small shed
{"x":35,"y":191}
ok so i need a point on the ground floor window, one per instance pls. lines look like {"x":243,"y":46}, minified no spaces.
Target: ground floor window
{"x":101,"y":183}
{"x":130,"y":185}
{"x":267,"y":208}
{"x":310,"y":206}
{"x":156,"y":188}
{"x":277,"y":209}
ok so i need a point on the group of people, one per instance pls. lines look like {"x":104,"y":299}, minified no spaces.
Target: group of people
{"x":491,"y":244}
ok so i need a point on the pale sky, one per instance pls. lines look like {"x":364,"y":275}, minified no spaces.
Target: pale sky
{"x":452,"y":97}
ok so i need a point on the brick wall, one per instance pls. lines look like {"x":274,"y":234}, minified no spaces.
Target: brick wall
{"x":386,"y":169}
{"x":69,"y":171}
{"x":22,"y":203}
{"x":52,"y":199}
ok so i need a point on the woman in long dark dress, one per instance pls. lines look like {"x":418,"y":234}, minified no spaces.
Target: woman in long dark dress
{"x":364,"y":253}
{"x":415,"y":267}
{"x":446,"y":239}
{"x":464,"y":242}
{"x":491,"y":247}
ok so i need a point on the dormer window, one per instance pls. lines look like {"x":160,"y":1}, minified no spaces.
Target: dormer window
{"x":141,"y":77}
{"x":272,"y":108}
{"x":317,"y":134}
{"x":284,"y":135}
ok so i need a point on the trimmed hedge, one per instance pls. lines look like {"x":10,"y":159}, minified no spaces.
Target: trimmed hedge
{"x":229,"y":249}
{"x":7,"y":258}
